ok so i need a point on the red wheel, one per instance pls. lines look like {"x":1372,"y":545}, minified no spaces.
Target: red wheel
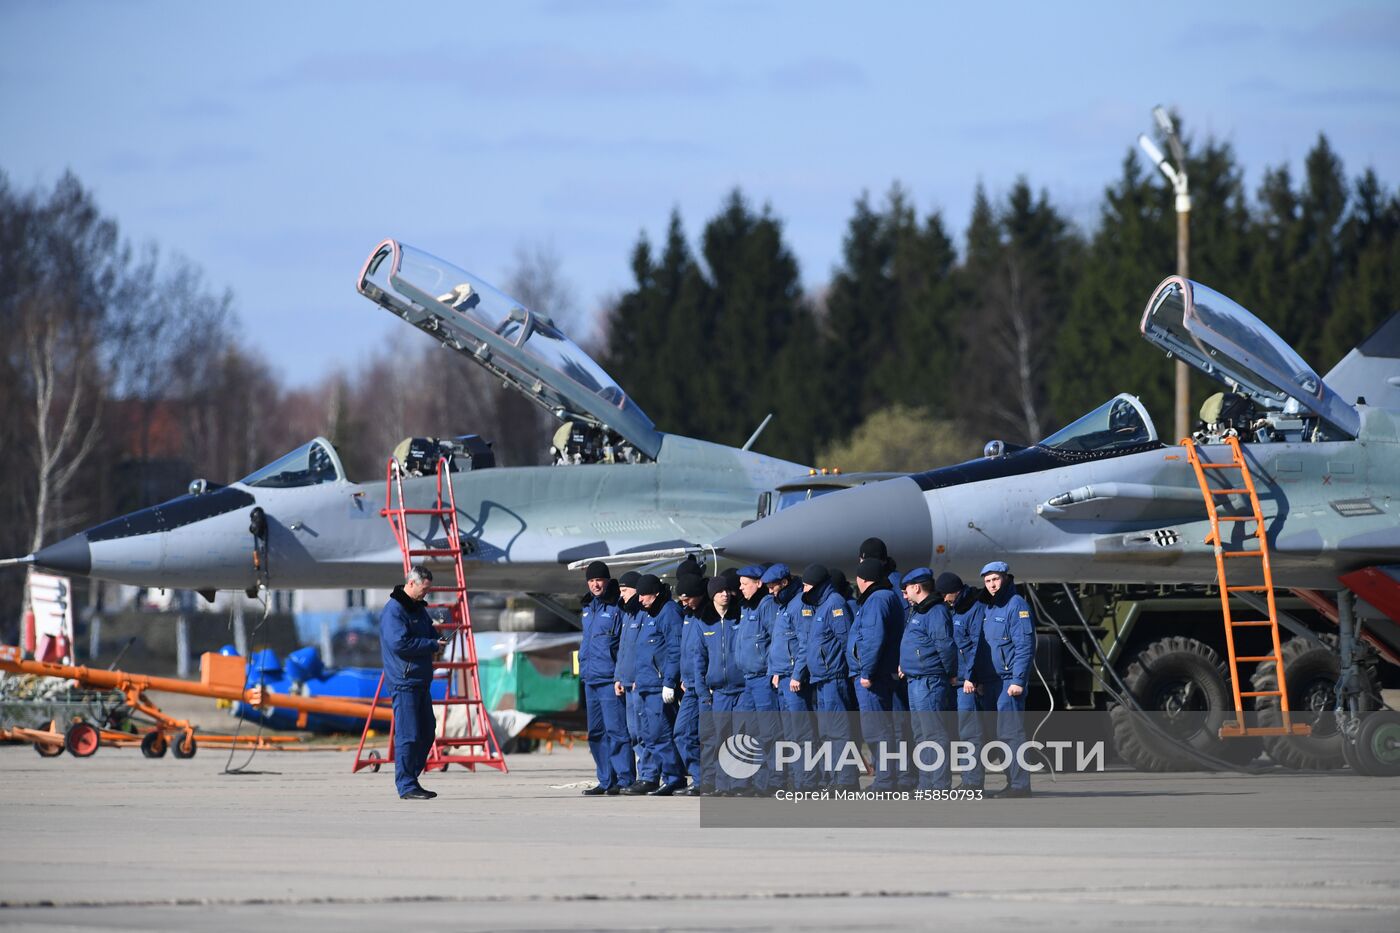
{"x":81,"y":739}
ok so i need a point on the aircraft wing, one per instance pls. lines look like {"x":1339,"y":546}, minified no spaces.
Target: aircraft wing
{"x":520,"y":346}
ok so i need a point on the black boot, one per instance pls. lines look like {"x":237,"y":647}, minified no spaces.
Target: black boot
{"x":640,"y":788}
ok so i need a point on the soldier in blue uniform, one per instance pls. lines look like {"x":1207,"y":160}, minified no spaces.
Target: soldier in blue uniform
{"x":825,"y":621}
{"x":690,"y":595}
{"x":794,"y":696}
{"x":1008,"y":628}
{"x":760,"y":703}
{"x":721,"y":676}
{"x":597,"y":659}
{"x":408,"y":642}
{"x":657,"y":676}
{"x":631,"y":611}
{"x":928,"y":661}
{"x":872,"y":657}
{"x":974,"y":668}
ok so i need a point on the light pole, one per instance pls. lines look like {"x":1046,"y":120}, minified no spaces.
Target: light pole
{"x":1177,"y":176}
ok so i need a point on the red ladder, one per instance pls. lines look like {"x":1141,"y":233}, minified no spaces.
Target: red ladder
{"x":1223,"y":553}
{"x":478,"y":746}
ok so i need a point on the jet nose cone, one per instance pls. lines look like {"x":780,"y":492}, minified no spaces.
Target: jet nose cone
{"x":829,"y":530}
{"x":71,"y":555}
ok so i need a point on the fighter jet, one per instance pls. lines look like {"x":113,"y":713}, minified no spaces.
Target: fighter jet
{"x":1104,"y":500}
{"x":618,"y":483}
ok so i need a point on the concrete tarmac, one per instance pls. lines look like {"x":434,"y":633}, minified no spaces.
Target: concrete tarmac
{"x":118,"y":842}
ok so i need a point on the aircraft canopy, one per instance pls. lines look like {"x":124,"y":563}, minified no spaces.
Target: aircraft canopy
{"x":311,"y":464}
{"x":1215,"y":335}
{"x":521,"y":345}
{"x":1118,"y":423}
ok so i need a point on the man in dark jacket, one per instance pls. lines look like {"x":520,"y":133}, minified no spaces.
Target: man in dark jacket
{"x":597,"y":660}
{"x":656,"y":679}
{"x":690,"y":595}
{"x":720,"y":674}
{"x":1008,"y":628}
{"x":825,"y":622}
{"x":974,"y":668}
{"x":408,"y":642}
{"x":928,"y":661}
{"x":872,"y":657}
{"x":794,"y":697}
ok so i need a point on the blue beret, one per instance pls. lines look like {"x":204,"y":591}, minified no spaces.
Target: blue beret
{"x":996,"y":566}
{"x":776,"y":574}
{"x":917,"y":575}
{"x":752,"y":571}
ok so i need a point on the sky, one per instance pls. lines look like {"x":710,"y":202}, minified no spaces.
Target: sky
{"x":275,"y":144}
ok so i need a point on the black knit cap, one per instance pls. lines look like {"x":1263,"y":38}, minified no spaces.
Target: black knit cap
{"x":719,"y":584}
{"x":598,"y":571}
{"x":874,"y":547}
{"x":649,"y":585}
{"x":629,"y":579}
{"x":690,"y":586}
{"x":872,"y":569}
{"x":816,"y":574}
{"x":948,"y":582}
{"x":690,"y":567}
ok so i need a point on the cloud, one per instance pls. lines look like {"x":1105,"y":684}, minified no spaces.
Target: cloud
{"x":521,"y":71}
{"x":817,"y":74}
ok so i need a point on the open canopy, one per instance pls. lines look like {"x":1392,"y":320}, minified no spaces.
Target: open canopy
{"x":522,"y":346}
{"x":1215,"y":335}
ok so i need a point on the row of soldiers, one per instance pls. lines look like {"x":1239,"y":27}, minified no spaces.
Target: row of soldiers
{"x":796,"y":656}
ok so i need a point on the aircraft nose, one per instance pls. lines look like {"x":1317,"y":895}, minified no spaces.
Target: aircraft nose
{"x":71,"y":555}
{"x":828,"y":530}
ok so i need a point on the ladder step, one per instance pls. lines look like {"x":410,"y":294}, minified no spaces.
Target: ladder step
{"x":1251,"y":623}
{"x":1260,"y":693}
{"x":1222,"y":466}
{"x":1229,"y":492}
{"x":1252,"y":588}
{"x":1236,"y":518}
{"x":1260,"y":657}
{"x":415,"y":512}
{"x":432,"y":552}
{"x":1242,"y":554}
{"x":1233,"y":730}
{"x":453,"y":665}
{"x":465,"y":740}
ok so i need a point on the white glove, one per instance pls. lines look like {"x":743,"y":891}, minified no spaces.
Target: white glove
{"x":668,"y":694}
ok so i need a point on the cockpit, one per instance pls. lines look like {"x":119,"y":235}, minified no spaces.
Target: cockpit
{"x":311,"y":464}
{"x":1118,"y":424}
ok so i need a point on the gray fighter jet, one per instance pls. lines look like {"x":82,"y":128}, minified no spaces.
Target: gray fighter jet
{"x":618,"y":484}
{"x":1104,"y":500}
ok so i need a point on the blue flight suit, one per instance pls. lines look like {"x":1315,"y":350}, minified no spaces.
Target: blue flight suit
{"x":657,"y":665}
{"x":607,"y":712}
{"x":823,"y":625}
{"x":975,"y":665}
{"x":407,"y":644}
{"x":722,"y":679}
{"x":693,"y":703}
{"x":928,"y":657}
{"x":626,"y":675}
{"x":872,"y":653}
{"x":1008,"y":629}
{"x":795,"y":705}
{"x":760,"y":701}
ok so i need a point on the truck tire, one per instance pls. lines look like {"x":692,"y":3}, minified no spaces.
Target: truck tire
{"x":1184,"y":683}
{"x":1311,"y":671}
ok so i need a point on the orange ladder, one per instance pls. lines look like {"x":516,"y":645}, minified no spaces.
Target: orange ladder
{"x":478,"y":746}
{"x":1223,"y":555}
